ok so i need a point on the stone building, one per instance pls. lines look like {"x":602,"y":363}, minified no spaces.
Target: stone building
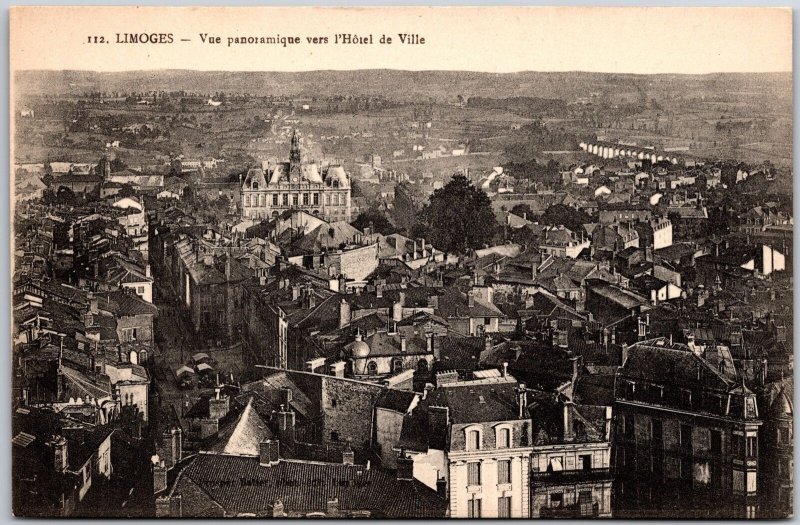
{"x":268,"y":191}
{"x":686,"y":435}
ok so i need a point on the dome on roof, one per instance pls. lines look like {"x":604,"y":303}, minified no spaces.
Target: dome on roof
{"x":360,"y":348}
{"x":336,"y":176}
{"x":781,"y":406}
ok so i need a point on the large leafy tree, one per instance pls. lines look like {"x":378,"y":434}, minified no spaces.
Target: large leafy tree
{"x":375,"y":218}
{"x":459,"y":217}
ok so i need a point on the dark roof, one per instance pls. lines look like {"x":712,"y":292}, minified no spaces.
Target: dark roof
{"x":239,"y":484}
{"x":397,"y":400}
{"x":477,"y":401}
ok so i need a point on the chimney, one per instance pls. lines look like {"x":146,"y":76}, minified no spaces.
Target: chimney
{"x":441,"y":487}
{"x":379,"y":291}
{"x":163,"y":507}
{"x":344,"y":313}
{"x":277,"y":509}
{"x":436,"y":346}
{"x":405,"y":466}
{"x":286,"y":397}
{"x":397,"y":310}
{"x":403,"y":343}
{"x":534,"y":269}
{"x":295,"y":293}
{"x":567,"y":420}
{"x":88,"y":319}
{"x":624,"y":354}
{"x":332,"y":508}
{"x":337,"y":369}
{"x":505,"y":369}
{"x":176,"y":445}
{"x":470,"y":299}
{"x":438,"y":420}
{"x":348,"y":456}
{"x":208,"y":427}
{"x":522,"y":400}
{"x":218,"y":407}
{"x":433,"y":301}
{"x":262,"y":280}
{"x":61,"y":456}
{"x":268,"y":452}
{"x":429,"y":343}
{"x":159,"y":477}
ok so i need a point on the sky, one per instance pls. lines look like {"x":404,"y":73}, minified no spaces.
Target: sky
{"x":640,"y":40}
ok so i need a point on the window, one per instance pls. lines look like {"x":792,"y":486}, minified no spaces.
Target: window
{"x":372,"y":368}
{"x":334,"y":436}
{"x":274,"y":199}
{"x":686,"y":437}
{"x":738,"y":445}
{"x":504,"y":507}
{"x":556,"y":499}
{"x":473,"y":440}
{"x":629,"y":426}
{"x":422,"y":366}
{"x":657,"y":432}
{"x":752,"y":447}
{"x":504,"y":438}
{"x":474,"y":473}
{"x":504,"y":471}
{"x":305,"y":198}
{"x":586,"y":461}
{"x":474,"y":508}
{"x":316,"y":199}
{"x":334,"y":403}
{"x":397,"y":365}
{"x":716,"y":442}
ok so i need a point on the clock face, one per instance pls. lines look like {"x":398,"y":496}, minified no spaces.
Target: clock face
{"x":294,"y":179}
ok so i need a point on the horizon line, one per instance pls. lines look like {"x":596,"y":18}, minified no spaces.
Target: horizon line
{"x":327,"y":70}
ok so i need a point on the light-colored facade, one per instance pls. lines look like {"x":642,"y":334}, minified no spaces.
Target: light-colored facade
{"x":320,"y":190}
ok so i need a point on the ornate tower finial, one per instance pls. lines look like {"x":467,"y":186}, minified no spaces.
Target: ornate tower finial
{"x":294,"y":154}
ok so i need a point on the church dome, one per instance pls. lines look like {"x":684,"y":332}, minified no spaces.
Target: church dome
{"x":360,"y":348}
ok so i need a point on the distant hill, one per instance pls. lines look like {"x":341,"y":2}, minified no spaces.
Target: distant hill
{"x":416,"y":85}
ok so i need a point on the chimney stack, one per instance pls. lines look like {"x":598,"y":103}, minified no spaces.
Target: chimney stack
{"x":159,"y":477}
{"x":441,"y":487}
{"x":61,"y":456}
{"x":277,"y":509}
{"x":332,"y":508}
{"x":268,"y":452}
{"x":405,"y":466}
{"x":403,"y":343}
{"x":348,"y":456}
{"x":344,"y":313}
{"x":522,"y":400}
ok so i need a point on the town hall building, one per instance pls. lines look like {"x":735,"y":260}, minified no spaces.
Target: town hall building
{"x":320,"y":190}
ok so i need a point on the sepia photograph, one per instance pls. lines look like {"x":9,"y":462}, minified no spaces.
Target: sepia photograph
{"x":401,"y":262}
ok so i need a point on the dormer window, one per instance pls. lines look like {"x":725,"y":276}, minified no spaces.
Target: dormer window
{"x":503,"y":437}
{"x":474,"y":440}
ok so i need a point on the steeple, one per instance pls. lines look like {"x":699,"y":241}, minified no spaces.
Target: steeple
{"x":294,"y":155}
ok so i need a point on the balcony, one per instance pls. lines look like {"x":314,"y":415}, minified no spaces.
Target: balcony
{"x":578,"y":510}
{"x":571,"y":476}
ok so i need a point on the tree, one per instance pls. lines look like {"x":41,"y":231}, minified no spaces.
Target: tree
{"x":375,"y":218}
{"x":459,"y":217}
{"x":522,"y":210}
{"x":560,"y":214}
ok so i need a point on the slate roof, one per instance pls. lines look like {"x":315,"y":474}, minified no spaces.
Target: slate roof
{"x":240,"y":485}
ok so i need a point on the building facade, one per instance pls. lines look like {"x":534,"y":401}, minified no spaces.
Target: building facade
{"x":686,"y":435}
{"x":272,"y":189}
